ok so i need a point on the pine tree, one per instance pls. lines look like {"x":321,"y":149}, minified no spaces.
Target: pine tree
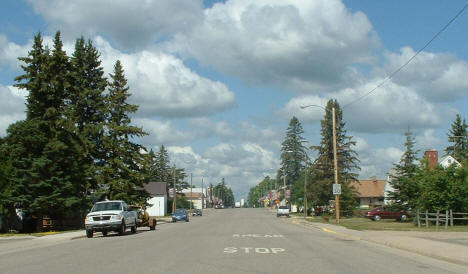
{"x":86,"y":106}
{"x":458,"y":135}
{"x":323,"y":168}
{"x":163,"y":170}
{"x":404,"y":194}
{"x":43,"y":149}
{"x":293,"y":152}
{"x":121,"y":176}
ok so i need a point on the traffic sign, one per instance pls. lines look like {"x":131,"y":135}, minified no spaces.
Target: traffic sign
{"x":288,"y":193}
{"x":336,"y":189}
{"x":171,"y":192}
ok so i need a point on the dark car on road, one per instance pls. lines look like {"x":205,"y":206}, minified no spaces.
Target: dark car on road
{"x":386,"y":213}
{"x":197,"y":212}
{"x":180,"y":214}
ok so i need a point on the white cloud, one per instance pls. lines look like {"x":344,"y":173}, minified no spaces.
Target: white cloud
{"x":131,"y":25}
{"x":161,"y":132}
{"x":242,"y":166}
{"x":206,"y":127}
{"x":391,"y":108}
{"x":305,"y":45}
{"x":12,"y":107}
{"x":436,"y":76}
{"x":9,"y":52}
{"x":162,"y":85}
{"x":427,"y":140}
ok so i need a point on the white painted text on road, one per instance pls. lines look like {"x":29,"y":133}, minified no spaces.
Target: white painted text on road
{"x":259,"y":250}
{"x":256,"y":236}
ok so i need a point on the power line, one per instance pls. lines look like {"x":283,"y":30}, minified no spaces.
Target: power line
{"x":409,"y":60}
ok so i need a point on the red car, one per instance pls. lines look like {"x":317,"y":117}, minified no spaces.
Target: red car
{"x":386,"y":213}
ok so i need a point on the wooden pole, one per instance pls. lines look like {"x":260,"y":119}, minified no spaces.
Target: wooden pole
{"x":437,"y":219}
{"x":335,"y":162}
{"x":446,"y":219}
{"x":451,"y":218}
{"x":419,"y":218}
{"x":427,"y":224}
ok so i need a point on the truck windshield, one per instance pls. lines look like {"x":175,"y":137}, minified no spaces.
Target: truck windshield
{"x":107,"y":206}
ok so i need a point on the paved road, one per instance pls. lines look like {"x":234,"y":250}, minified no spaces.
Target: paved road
{"x":222,"y":241}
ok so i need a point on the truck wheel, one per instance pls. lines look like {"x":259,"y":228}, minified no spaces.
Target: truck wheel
{"x":377,"y":218}
{"x":89,"y":233}
{"x":104,"y":233}
{"x":122,"y":228}
{"x":153,"y":225}
{"x":134,"y":227}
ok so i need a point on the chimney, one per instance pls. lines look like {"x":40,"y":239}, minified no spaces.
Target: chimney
{"x":433,"y":157}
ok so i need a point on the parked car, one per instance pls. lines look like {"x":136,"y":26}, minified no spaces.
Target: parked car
{"x":282,"y":211}
{"x":110,"y":216}
{"x":386,"y":213}
{"x":197,"y":212}
{"x":179,"y":215}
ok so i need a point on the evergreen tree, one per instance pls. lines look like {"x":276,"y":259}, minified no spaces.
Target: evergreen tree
{"x":86,"y":107}
{"x":405,"y":189}
{"x":293,"y":152}
{"x":47,"y":178}
{"x":323,"y":168}
{"x":121,"y":175}
{"x":163,"y":170}
{"x":458,"y":135}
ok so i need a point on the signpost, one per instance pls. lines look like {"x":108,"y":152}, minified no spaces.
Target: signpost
{"x":336,"y":189}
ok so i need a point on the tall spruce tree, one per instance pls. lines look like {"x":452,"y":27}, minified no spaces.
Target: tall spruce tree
{"x":121,"y":174}
{"x":405,"y":189}
{"x":323,"y":169}
{"x":458,"y":136}
{"x":293,"y":152}
{"x":86,"y":107}
{"x":163,"y":169}
{"x":47,"y":177}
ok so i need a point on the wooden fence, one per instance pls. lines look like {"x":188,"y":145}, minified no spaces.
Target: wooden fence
{"x":440,"y":217}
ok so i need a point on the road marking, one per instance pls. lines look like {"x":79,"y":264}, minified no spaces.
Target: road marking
{"x":249,"y":250}
{"x":341,"y":234}
{"x":257,"y":236}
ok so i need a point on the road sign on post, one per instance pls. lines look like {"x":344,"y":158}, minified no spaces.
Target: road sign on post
{"x":288,"y":193}
{"x":336,"y":189}
{"x":171,"y":192}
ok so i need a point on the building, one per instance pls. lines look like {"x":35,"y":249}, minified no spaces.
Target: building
{"x":370,"y":192}
{"x":158,"y":198}
{"x":197,"y":196}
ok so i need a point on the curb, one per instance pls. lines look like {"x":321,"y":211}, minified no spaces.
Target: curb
{"x":392,"y":245}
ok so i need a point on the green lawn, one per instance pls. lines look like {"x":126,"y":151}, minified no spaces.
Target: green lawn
{"x":366,"y":224}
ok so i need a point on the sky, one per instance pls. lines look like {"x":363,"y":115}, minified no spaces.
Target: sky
{"x":217,"y":82}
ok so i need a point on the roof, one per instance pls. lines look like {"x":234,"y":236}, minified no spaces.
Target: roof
{"x":196,"y":195}
{"x":370,"y":188}
{"x":448,"y":160}
{"x":156,"y":188}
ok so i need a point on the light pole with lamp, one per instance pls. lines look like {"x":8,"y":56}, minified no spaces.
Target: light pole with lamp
{"x":336,"y":187}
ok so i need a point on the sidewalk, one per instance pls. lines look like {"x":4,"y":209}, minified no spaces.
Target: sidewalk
{"x":447,"y":246}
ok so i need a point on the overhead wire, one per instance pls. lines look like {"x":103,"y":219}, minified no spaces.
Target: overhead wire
{"x":410,"y":59}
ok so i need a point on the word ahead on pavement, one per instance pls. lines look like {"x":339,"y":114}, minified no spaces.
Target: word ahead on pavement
{"x":259,"y":250}
{"x":256,"y":236}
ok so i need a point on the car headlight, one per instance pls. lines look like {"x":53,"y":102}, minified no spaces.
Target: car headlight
{"x":116,"y":217}
{"x":88,"y":219}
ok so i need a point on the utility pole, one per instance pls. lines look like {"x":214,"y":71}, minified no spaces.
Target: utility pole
{"x":175,"y":192}
{"x":305,"y":196}
{"x":203,"y":196}
{"x":191,"y":197}
{"x":335,"y":161}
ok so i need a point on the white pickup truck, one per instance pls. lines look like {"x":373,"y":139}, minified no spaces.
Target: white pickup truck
{"x":282,"y":211}
{"x":110,"y":216}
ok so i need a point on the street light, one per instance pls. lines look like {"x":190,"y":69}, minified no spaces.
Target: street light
{"x":335,"y":159}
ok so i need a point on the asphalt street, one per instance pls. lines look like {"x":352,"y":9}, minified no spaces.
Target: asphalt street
{"x":222,"y":241}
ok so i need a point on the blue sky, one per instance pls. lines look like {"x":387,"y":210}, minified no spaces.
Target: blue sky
{"x":218,"y":81}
